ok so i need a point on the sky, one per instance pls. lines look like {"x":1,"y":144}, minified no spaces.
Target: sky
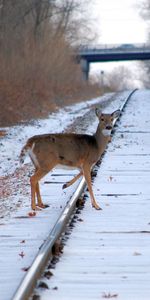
{"x":118,"y":22}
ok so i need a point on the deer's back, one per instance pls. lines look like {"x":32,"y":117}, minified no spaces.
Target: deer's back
{"x":71,"y":149}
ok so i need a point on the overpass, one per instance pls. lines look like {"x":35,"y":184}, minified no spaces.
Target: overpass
{"x":105,"y":53}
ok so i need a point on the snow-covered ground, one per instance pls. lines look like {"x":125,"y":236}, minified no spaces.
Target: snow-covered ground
{"x":22,"y":235}
{"x":12,"y":192}
{"x":107,"y":254}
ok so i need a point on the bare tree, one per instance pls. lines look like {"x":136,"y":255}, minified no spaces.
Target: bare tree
{"x":120,"y":78}
{"x":36,"y":52}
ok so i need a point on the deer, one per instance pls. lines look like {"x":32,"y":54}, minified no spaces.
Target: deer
{"x":71,"y":150}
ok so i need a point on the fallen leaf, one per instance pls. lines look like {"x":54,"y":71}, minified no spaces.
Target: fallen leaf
{"x":25,"y":269}
{"x":36,"y":297}
{"x":48,"y":274}
{"x":110,"y":178}
{"x":43,"y":285}
{"x":32,"y":214}
{"x":108,"y":296}
{"x":2,"y":133}
{"x":23,"y":241}
{"x":136,"y":253}
{"x":22,"y":254}
{"x":55,"y":288}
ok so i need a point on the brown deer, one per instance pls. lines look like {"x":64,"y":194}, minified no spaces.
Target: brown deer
{"x":80,"y":151}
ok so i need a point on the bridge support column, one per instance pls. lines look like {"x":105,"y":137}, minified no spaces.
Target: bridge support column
{"x":85,"y":68}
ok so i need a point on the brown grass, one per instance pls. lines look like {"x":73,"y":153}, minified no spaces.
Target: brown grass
{"x":38,"y":70}
{"x":37,"y":83}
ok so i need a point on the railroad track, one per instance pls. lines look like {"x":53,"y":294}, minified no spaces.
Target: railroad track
{"x":45,"y":253}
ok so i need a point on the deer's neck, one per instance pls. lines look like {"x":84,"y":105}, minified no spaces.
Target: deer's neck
{"x":102,"y":138}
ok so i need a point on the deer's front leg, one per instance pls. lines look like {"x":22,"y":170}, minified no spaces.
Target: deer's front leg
{"x":87,"y":175}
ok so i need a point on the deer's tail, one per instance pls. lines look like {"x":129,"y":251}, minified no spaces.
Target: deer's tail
{"x":25,"y":151}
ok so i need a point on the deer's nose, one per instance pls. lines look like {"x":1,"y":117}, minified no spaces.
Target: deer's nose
{"x":108,"y":127}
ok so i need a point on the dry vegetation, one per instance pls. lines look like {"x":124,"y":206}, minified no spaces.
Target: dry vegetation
{"x":38,"y":69}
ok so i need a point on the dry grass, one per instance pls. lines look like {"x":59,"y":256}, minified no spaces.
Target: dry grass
{"x":38,"y":70}
{"x":38,"y":82}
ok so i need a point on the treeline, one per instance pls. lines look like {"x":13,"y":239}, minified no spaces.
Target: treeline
{"x":38,"y":71}
{"x":144,"y":7}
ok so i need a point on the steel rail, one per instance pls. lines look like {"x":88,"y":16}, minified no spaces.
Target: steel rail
{"x":26,"y":287}
{"x":28,"y":283}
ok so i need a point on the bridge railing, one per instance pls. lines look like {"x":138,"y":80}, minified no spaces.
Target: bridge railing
{"x":114,"y":47}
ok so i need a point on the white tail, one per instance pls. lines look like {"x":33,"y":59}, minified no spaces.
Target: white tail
{"x":23,"y":154}
{"x":79,"y":151}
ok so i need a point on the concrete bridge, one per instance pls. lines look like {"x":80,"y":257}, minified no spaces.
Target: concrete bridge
{"x":103,"y":53}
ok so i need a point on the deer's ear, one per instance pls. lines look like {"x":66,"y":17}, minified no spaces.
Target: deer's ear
{"x":98,"y":112}
{"x":116,"y":113}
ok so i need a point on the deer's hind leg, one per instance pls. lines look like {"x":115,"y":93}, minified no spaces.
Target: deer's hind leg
{"x":35,"y":190}
{"x":67,"y":184}
{"x":39,"y":199}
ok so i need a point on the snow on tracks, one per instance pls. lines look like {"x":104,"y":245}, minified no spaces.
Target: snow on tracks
{"x":21,"y":235}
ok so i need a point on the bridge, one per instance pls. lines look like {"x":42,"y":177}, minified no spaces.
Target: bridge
{"x":103,"y":53}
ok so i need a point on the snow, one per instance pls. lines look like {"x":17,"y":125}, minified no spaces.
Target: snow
{"x":107,"y":254}
{"x":22,"y":235}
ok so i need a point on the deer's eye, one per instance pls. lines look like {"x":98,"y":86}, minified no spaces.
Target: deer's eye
{"x":102,"y":119}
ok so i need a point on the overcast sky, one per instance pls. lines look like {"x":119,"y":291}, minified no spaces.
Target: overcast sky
{"x":119,"y":21}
